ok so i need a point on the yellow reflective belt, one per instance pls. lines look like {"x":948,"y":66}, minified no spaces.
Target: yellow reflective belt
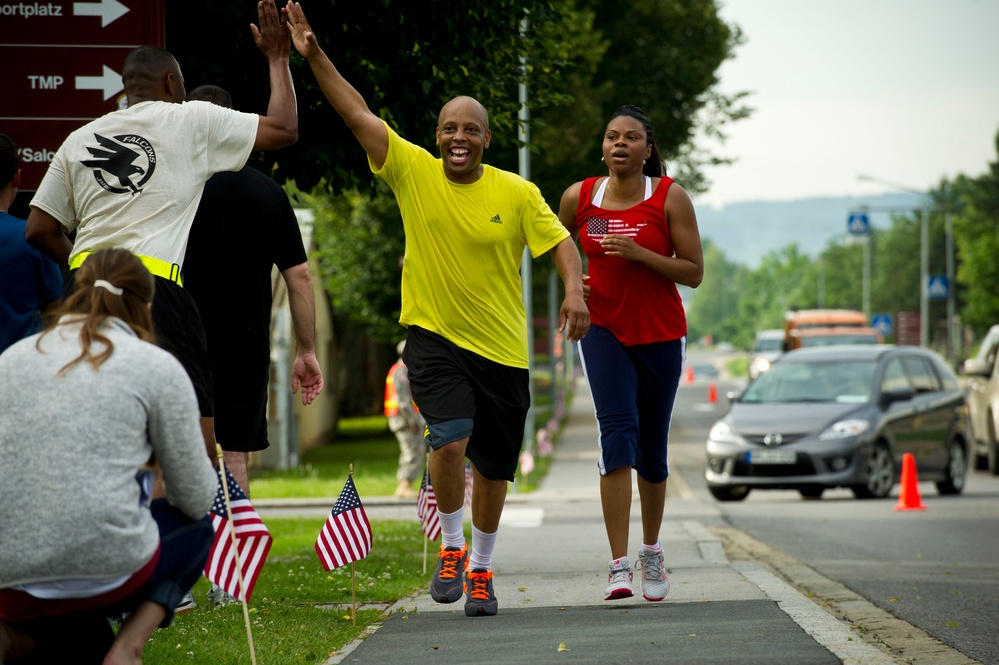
{"x":158,"y":267}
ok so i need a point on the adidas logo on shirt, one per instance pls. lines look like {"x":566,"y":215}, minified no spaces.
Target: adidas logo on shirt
{"x":496,"y":219}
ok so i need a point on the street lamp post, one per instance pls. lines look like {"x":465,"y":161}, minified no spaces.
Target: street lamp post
{"x":924,"y":268}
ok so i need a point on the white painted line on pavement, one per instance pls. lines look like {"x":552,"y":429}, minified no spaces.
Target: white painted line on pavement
{"x":525,"y":517}
{"x":822,"y":626}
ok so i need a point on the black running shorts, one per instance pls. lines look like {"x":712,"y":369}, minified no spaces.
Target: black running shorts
{"x":461,"y":394}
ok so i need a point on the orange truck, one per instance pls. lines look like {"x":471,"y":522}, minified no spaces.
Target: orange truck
{"x":825,"y":327}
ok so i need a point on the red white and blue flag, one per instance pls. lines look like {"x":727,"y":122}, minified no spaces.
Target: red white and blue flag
{"x":346,"y":536}
{"x":426,"y":508}
{"x":253,"y":542}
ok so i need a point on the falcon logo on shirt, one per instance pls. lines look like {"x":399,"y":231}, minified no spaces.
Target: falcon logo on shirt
{"x":126,"y":159}
{"x":598,"y":227}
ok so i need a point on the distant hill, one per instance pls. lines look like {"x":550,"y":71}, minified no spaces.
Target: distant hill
{"x":748,"y":230}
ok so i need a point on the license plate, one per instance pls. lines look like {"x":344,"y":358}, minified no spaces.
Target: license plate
{"x":771,"y":457}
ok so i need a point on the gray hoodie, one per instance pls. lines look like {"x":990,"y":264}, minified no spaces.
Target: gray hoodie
{"x":70,"y":449}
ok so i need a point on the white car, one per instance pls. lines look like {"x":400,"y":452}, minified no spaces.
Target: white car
{"x":981,"y":378}
{"x":768,"y":347}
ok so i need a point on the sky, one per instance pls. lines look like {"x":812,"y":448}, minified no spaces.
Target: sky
{"x":904,"y":91}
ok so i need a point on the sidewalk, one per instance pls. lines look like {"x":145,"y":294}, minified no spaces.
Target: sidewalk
{"x":550,"y":568}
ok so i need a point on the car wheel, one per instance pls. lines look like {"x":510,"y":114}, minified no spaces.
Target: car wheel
{"x":955,"y":472}
{"x":811,"y":492}
{"x":737,"y":493}
{"x":880,"y":474}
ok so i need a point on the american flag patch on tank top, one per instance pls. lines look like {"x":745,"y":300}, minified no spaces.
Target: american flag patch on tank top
{"x":598,"y":227}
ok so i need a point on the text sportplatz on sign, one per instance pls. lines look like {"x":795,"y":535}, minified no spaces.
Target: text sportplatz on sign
{"x":30,"y":9}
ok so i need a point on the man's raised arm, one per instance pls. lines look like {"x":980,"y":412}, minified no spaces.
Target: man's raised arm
{"x":279,"y":128}
{"x":367,"y":127}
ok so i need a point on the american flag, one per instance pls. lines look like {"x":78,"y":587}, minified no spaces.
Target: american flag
{"x":597,"y":227}
{"x":253,"y":542}
{"x":346,"y":536}
{"x":426,"y":508}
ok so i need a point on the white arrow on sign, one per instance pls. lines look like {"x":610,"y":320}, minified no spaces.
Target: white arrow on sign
{"x":109,"y":82}
{"x":108,"y":10}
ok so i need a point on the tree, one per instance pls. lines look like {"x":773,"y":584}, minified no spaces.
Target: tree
{"x":712,"y":304}
{"x":976,"y":236}
{"x":665,"y":58}
{"x":771,"y":290}
{"x":406,"y":61}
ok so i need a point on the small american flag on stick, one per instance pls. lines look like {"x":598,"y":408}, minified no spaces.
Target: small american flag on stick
{"x":253,"y":542}
{"x":346,"y":536}
{"x":426,"y":508}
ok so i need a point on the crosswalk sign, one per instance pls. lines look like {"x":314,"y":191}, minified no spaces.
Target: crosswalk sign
{"x":883,"y":324}
{"x":857,"y":224}
{"x":937,"y":287}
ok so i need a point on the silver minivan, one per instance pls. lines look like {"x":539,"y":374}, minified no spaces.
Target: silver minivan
{"x":981,"y":380}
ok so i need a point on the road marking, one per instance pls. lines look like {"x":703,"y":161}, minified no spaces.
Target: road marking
{"x":523,"y":517}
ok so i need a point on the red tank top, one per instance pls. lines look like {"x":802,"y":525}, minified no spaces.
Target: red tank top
{"x":635,"y":303}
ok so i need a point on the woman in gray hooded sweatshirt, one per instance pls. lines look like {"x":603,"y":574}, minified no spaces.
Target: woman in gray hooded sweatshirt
{"x":89,"y":406}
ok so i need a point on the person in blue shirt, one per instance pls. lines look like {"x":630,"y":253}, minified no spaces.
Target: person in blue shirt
{"x":29,"y":281}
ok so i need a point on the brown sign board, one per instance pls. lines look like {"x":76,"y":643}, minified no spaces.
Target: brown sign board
{"x":907,"y":331}
{"x":63,"y":68}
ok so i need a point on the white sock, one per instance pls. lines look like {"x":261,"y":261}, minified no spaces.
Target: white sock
{"x":452,"y":531}
{"x":482,"y":550}
{"x":651,"y":548}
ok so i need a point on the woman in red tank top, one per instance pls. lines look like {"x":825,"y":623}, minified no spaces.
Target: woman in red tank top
{"x":639,"y":233}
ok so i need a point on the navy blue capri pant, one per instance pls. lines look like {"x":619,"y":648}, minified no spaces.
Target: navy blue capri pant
{"x":634,"y":389}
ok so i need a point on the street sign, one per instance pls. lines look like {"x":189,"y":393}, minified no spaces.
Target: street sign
{"x":64,"y":61}
{"x":883,"y":324}
{"x":69,"y":81}
{"x":858,"y":224}
{"x":908,"y":328}
{"x":937,"y":287}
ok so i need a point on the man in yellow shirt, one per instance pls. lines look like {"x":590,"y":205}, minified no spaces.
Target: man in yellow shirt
{"x":466,"y":225}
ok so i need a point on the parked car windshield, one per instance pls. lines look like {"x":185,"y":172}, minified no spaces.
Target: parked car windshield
{"x":835,"y":340}
{"x":842,"y":381}
{"x":769,"y":344}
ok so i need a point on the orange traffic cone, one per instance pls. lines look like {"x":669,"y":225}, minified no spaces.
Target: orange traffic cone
{"x":908,"y":497}
{"x":690,"y":375}
{"x":712,"y":394}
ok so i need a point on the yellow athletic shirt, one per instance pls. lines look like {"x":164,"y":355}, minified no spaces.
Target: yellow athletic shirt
{"x":464,"y":244}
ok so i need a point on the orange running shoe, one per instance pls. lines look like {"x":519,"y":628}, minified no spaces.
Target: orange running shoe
{"x":445,"y":585}
{"x":480,"y":601}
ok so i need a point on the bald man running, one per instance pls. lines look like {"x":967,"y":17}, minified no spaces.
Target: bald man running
{"x":466,"y":226}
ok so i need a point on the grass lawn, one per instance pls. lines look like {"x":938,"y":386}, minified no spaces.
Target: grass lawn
{"x":299,"y":613}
